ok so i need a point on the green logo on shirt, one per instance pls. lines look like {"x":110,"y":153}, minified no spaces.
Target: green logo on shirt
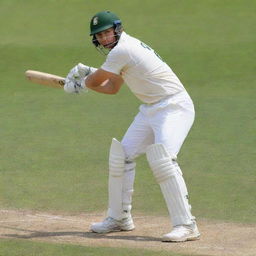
{"x":150,"y":49}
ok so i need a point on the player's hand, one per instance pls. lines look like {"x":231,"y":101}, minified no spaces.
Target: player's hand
{"x":80,"y":71}
{"x":74,"y":86}
{"x":74,"y":82}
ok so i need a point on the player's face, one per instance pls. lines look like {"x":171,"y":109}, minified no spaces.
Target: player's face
{"x":106,"y":38}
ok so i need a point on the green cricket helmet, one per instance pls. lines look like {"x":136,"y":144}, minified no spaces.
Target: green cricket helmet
{"x":102,"y":21}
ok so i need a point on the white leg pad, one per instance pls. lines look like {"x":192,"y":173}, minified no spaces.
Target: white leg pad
{"x":115,"y":184}
{"x":128,"y":183}
{"x":171,"y":183}
{"x":182,"y":183}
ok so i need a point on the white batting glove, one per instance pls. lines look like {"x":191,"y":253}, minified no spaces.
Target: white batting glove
{"x":74,"y":82}
{"x":79,"y":71}
{"x":74,"y":86}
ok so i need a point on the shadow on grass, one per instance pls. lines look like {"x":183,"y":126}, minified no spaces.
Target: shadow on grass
{"x":44,"y":234}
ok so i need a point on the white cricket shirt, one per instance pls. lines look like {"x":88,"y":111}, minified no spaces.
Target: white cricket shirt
{"x":147,"y":76}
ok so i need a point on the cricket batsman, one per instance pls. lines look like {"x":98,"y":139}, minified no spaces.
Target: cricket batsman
{"x":158,"y":130}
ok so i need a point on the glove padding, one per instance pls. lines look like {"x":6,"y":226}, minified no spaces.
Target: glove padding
{"x":74,"y":82}
{"x":73,"y":86}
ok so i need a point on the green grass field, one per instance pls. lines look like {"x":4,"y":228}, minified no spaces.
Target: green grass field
{"x":27,"y":248}
{"x":54,"y":146}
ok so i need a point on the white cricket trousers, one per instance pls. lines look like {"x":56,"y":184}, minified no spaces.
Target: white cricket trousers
{"x":167,"y":122}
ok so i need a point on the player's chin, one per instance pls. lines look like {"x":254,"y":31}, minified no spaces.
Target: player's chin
{"x":109,"y":46}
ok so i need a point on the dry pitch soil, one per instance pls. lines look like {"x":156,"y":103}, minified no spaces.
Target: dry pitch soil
{"x":217,"y":238}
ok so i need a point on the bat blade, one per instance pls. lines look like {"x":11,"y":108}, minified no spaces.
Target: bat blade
{"x":43,"y":78}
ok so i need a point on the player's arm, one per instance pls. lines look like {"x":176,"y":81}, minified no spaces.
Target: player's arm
{"x":104,"y":82}
{"x":82,"y":77}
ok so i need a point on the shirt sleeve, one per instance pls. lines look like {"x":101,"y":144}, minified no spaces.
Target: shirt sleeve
{"x":116,"y":60}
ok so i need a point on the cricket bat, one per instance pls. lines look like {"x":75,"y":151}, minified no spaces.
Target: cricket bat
{"x":45,"y":79}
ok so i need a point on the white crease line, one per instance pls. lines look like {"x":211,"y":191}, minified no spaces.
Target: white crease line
{"x":51,"y":217}
{"x":10,"y":221}
{"x":41,"y":216}
{"x":45,"y":215}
